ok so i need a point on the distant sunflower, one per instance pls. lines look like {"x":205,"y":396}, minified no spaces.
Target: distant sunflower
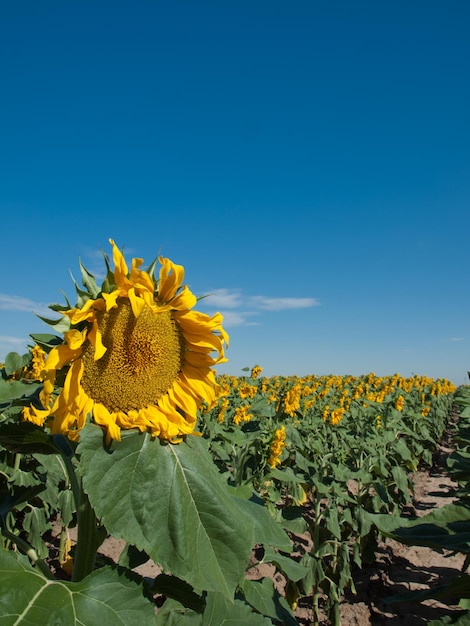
{"x":135,"y":356}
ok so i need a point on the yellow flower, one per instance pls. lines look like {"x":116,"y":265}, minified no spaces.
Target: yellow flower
{"x":242,"y":415}
{"x":247,"y":391}
{"x":223,"y":406}
{"x":277,"y":447}
{"x":136,"y":356}
{"x":336,"y":416}
{"x":400,"y":402}
{"x":36,"y":368}
{"x":256,"y":371}
{"x":292,"y":400}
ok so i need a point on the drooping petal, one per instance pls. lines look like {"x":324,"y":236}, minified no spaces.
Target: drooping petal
{"x":184,"y":300}
{"x":171,"y":277}
{"x":96,"y":339}
{"x":137,"y":303}
{"x":60,"y":356}
{"x":75,"y":338}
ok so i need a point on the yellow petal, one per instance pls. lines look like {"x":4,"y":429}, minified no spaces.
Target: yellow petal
{"x":171,"y":277}
{"x":120,"y":267}
{"x":75,"y":338}
{"x":137,"y":303}
{"x":59,"y":356}
{"x":184,"y":300}
{"x":111,"y":299}
{"x":96,"y":340}
{"x":104,"y":418}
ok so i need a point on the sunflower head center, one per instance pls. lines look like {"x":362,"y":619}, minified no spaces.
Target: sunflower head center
{"x":144,"y":357}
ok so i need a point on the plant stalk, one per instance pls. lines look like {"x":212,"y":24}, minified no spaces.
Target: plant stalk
{"x":87,"y":540}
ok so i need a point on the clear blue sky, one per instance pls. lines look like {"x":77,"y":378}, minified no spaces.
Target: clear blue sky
{"x":307,"y":162}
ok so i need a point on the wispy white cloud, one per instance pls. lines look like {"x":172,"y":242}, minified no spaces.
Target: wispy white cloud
{"x":238,"y":309}
{"x":224,"y":299}
{"x":457,"y":339}
{"x":11,"y":344}
{"x":18,"y":303}
{"x":233,"y":318}
{"x":12,"y":341}
{"x":282,"y":304}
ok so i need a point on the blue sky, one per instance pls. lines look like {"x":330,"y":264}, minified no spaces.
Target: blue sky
{"x":307,"y":162}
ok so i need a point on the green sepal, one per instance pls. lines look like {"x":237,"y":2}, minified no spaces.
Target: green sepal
{"x":62,"y":325}
{"x":46,"y":341}
{"x":89,"y":281}
{"x":109,"y":283}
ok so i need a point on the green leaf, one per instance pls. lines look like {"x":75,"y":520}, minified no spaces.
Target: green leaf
{"x":445,"y":528}
{"x":179,"y":590}
{"x":264,"y":597}
{"x":287,"y":475}
{"x":26,"y":438}
{"x":292,"y":569}
{"x":223,"y":612}
{"x":15,"y":389}
{"x":459,"y":587}
{"x":266,"y":530}
{"x":173,"y":613}
{"x":171,"y":502}
{"x":15,"y":361}
{"x":104,"y":597}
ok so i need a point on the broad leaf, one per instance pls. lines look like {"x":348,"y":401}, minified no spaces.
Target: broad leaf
{"x":263,"y":596}
{"x":292,"y":569}
{"x":445,"y":528}
{"x":171,"y":502}
{"x":27,"y":438}
{"x":103,"y":597}
{"x":15,"y":361}
{"x":224,"y":613}
{"x":14,"y":389}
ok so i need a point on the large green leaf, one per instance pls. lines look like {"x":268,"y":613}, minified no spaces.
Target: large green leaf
{"x":104,"y":597}
{"x":264,"y":597}
{"x":171,"y":502}
{"x":173,"y":613}
{"x":15,"y":389}
{"x":266,"y":530}
{"x":445,"y":528}
{"x":27,"y":438}
{"x":224,"y":613}
{"x":15,"y":361}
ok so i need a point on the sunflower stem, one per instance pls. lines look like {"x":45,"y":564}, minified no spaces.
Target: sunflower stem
{"x":30,"y":552}
{"x":87,"y":540}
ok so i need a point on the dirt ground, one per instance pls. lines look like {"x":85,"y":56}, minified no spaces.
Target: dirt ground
{"x":398,"y":568}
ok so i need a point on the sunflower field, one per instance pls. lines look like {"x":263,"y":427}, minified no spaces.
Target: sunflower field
{"x":116,"y":425}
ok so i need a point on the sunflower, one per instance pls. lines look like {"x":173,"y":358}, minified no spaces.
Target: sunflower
{"x":135,"y":355}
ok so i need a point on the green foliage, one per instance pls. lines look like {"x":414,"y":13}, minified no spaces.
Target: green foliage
{"x":104,"y":597}
{"x":447,"y":528}
{"x":199,"y":508}
{"x":169,"y":501}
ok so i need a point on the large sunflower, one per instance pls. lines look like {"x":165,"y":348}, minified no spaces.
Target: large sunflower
{"x":135,"y":356}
